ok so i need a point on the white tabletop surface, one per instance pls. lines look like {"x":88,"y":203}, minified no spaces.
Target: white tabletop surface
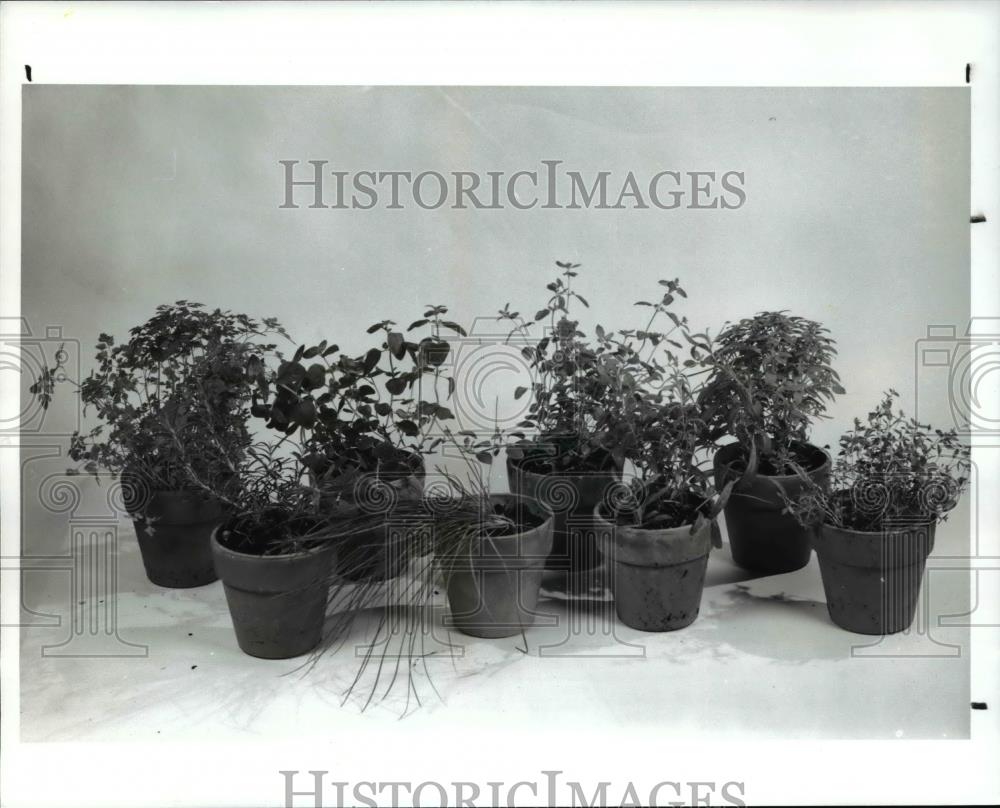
{"x":761,"y":660}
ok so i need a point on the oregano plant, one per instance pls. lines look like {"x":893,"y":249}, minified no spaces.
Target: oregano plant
{"x":172,"y":398}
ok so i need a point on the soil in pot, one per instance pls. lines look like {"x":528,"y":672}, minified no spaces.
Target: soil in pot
{"x":174,"y":531}
{"x":572,"y":496}
{"x":872,"y":579}
{"x":277,"y":601}
{"x":493,"y":586}
{"x":761,"y":537}
{"x":658,"y":574}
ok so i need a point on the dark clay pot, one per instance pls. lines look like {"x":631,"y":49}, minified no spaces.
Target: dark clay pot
{"x":872,"y":580}
{"x":174,"y":532}
{"x":659,"y":575}
{"x":381,"y":552}
{"x":761,"y":537}
{"x":277,"y":602}
{"x":572,"y":499}
{"x":493,"y":591}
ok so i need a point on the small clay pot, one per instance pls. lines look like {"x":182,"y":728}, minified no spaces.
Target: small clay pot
{"x":277,"y":602}
{"x":572,"y":499}
{"x":659,"y":575}
{"x":872,"y":580}
{"x":493,"y":589}
{"x":174,"y":531}
{"x":382,"y":551}
{"x":761,"y":537}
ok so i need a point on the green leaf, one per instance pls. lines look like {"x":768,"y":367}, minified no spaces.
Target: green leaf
{"x":371,"y":359}
{"x":304,"y":413}
{"x":396,"y":385}
{"x":407,"y":427}
{"x":397,"y":344}
{"x":315,"y":376}
{"x":454,"y":327}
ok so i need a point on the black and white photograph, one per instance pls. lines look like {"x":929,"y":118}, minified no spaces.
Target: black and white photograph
{"x":428,"y":419}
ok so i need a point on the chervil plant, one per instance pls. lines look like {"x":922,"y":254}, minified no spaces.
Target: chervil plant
{"x":770,"y":377}
{"x":891,"y":472}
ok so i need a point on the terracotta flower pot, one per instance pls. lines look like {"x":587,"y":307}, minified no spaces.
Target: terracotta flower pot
{"x":572,"y":499}
{"x":872,"y":580}
{"x":174,"y":531}
{"x":493,"y":590}
{"x":659,"y":575}
{"x":277,"y":602}
{"x":382,"y":551}
{"x":761,"y":537}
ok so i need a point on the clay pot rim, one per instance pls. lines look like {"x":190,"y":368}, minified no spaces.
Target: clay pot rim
{"x":255,"y":557}
{"x":547,"y":513}
{"x":600,"y":517}
{"x":876,"y":534}
{"x":665,"y":539}
{"x":518,"y":463}
{"x":779,"y":478}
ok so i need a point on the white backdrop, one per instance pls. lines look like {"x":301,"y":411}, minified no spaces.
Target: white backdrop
{"x":856,"y":212}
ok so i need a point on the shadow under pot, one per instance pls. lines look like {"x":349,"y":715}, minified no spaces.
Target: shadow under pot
{"x":277,"y":602}
{"x":761,"y":537}
{"x":572,"y":497}
{"x":493,"y":584}
{"x":658,"y":574}
{"x":872,"y":579}
{"x":376,"y":548}
{"x":174,"y":531}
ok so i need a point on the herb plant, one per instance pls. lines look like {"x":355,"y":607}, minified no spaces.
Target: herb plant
{"x":173,"y":399}
{"x":652,"y":418}
{"x":567,"y":387}
{"x":770,"y":376}
{"x":891,"y":472}
{"x":374,"y":414}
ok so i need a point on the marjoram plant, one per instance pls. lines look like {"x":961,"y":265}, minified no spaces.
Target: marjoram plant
{"x":769,"y":377}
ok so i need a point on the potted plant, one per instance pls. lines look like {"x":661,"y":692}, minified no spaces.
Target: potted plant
{"x":274,"y":555}
{"x":491,"y":551}
{"x":769,"y":376}
{"x":893,"y":480}
{"x":563,"y":463}
{"x":171,"y":400}
{"x":366,"y":422}
{"x":656,"y":531}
